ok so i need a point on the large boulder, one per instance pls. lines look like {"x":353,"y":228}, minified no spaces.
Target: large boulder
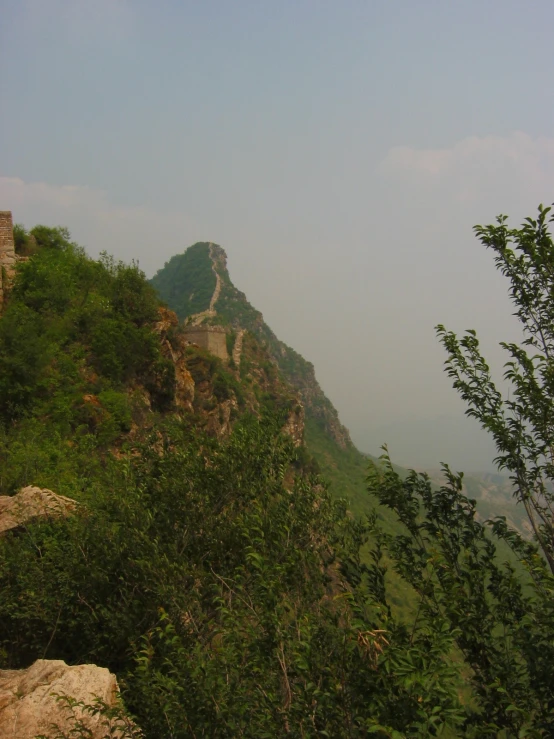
{"x":29,"y":706}
{"x":32,"y":502}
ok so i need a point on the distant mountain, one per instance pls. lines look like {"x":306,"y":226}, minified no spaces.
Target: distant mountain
{"x":197,"y":286}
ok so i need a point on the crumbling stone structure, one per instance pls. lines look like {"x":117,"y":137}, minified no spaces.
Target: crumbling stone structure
{"x":7,"y":251}
{"x":211,"y":338}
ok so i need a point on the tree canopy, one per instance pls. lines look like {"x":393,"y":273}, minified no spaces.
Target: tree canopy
{"x":522,"y":423}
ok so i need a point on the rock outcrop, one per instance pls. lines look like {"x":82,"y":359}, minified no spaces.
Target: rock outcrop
{"x":294,"y":425}
{"x":29,"y":707}
{"x":29,"y":503}
{"x":176,"y":351}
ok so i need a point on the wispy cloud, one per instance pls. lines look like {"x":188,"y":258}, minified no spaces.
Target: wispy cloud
{"x":475,"y":165}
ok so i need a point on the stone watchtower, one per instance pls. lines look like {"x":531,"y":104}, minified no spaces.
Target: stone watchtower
{"x":7,"y":251}
{"x":212,"y":338}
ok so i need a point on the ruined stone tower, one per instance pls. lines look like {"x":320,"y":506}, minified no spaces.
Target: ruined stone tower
{"x":7,"y":251}
{"x":212,"y":338}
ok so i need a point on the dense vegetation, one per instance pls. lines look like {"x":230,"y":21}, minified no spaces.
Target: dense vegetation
{"x":230,"y":591}
{"x":187,"y":282}
{"x":76,"y":339}
{"x":206,"y":574}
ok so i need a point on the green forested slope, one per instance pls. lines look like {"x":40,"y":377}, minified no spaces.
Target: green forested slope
{"x":206,"y":563}
{"x":187,"y":281}
{"x":204,"y":572}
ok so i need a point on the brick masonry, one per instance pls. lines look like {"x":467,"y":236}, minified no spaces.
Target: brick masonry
{"x":7,"y":250}
{"x":212,"y":338}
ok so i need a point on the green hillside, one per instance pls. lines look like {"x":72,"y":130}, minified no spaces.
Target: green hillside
{"x":187,"y":281}
{"x":202,"y":567}
{"x":326,"y":439}
{"x":203,"y":559}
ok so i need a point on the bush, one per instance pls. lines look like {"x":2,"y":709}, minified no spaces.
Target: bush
{"x":230,"y":339}
{"x":25,"y":352}
{"x":25,"y":244}
{"x":51,"y":238}
{"x":120,"y":350}
{"x":119,"y":418}
{"x":160,"y":382}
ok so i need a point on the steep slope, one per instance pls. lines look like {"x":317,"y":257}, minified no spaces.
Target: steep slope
{"x":88,"y":354}
{"x":187,"y":494}
{"x":187,"y":275}
{"x":340,"y":462}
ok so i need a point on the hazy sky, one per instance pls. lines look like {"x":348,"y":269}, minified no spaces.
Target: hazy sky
{"x":339,"y":151}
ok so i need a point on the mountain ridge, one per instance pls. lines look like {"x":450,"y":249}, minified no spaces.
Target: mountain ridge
{"x":228,"y":307}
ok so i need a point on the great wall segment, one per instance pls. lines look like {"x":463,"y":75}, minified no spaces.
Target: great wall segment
{"x":207,"y":336}
{"x":211,"y":338}
{"x":8,"y":257}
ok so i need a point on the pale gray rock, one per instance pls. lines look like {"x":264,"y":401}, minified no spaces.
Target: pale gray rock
{"x":29,"y":503}
{"x":28,"y":704}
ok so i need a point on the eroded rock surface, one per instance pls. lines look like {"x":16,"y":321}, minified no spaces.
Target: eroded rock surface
{"x":28,"y":704}
{"x":32,"y":502}
{"x":294,"y":425}
{"x":184,"y":384}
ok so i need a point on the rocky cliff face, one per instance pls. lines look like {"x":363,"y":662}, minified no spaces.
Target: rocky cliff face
{"x":212,"y":391}
{"x":231,"y":309}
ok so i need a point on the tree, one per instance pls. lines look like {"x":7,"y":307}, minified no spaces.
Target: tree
{"x":500,"y":617}
{"x":521,"y":424}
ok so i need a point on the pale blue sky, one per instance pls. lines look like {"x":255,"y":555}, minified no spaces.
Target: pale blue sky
{"x":339,"y":152}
